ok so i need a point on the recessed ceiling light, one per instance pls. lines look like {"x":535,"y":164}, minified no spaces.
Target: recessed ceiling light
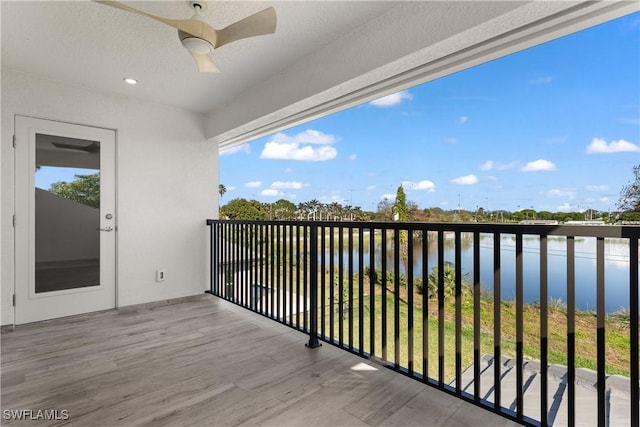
{"x":130,"y":81}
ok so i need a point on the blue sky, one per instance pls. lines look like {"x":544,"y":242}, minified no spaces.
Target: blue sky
{"x":47,"y":175}
{"x":555,"y":127}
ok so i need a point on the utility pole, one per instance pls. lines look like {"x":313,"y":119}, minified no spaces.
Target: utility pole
{"x":488,"y":213}
{"x":351,"y":190}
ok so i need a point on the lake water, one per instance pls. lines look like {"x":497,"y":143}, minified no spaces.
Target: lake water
{"x":616,"y":267}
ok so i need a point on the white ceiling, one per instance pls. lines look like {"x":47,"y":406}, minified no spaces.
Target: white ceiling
{"x":97,"y":46}
{"x":324,"y":56}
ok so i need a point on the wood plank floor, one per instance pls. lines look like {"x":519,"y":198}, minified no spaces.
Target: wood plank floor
{"x":202,"y":361}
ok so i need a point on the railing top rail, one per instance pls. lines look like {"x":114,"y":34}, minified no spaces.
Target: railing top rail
{"x":611,"y":231}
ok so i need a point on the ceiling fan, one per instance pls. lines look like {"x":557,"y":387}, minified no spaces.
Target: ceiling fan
{"x":200,"y":39}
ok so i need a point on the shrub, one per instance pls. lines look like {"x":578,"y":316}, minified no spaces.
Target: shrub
{"x":622,"y":316}
{"x":449,"y":281}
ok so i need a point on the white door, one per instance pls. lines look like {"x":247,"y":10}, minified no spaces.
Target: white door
{"x":65,"y":228}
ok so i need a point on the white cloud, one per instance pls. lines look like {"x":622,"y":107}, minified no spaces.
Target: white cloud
{"x":597,"y":188}
{"x":288,"y":170}
{"x":388,"y":196}
{"x":293,"y":151}
{"x":332,"y":198}
{"x":491,"y":165}
{"x":599,"y":145}
{"x":507,"y":166}
{"x":243,"y":148}
{"x":231,"y":188}
{"x":486,"y":166}
{"x":463,"y":119}
{"x":309,"y":136}
{"x":421,"y":185}
{"x":541,"y":80}
{"x":271,"y":192}
{"x":538,"y":165}
{"x":391,"y":100}
{"x":603,"y":200}
{"x":289,"y":185}
{"x":287,"y":147}
{"x":253,"y":184}
{"x":353,"y":156}
{"x":371,"y":187}
{"x":465,"y":180}
{"x":569,"y":193}
{"x":565,"y":207}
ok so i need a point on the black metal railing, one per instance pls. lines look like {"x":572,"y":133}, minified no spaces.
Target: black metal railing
{"x":471,"y":309}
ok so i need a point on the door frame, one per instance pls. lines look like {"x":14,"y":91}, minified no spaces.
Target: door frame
{"x":68,"y":302}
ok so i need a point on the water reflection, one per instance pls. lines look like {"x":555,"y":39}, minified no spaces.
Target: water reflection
{"x":616,"y":265}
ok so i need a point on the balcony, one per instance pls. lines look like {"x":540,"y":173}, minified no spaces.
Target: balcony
{"x":203,"y":361}
{"x":521,"y":320}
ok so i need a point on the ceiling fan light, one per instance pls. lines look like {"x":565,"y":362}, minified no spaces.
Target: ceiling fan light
{"x":196,"y":45}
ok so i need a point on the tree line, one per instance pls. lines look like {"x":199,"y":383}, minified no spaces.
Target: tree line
{"x":253,"y":210}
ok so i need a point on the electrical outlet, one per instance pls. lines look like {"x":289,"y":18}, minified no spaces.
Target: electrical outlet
{"x":160,"y":275}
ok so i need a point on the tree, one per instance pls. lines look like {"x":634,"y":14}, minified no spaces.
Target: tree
{"x":303,"y":209}
{"x":400,"y":207}
{"x":400,"y":215}
{"x":385,"y":210}
{"x":83,"y":189}
{"x":334,"y":210}
{"x":242,"y":209}
{"x":222,"y":189}
{"x":546,"y":215}
{"x":630,"y":193}
{"x":284,"y":209}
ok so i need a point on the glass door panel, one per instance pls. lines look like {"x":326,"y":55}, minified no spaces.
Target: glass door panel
{"x":67,"y":213}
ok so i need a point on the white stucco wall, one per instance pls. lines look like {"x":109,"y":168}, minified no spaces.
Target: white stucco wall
{"x":167,"y":179}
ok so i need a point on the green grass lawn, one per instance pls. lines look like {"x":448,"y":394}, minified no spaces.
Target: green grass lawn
{"x":617,"y":332}
{"x":617,"y":336}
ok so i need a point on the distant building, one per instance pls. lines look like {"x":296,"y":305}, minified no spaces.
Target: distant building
{"x":539,"y":222}
{"x":586,"y":222}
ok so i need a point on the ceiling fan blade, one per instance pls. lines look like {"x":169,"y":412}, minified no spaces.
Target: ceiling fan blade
{"x":195,"y":27}
{"x":205,"y":63}
{"x":258,"y":24}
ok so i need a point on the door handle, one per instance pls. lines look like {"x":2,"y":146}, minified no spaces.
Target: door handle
{"x":105,"y":229}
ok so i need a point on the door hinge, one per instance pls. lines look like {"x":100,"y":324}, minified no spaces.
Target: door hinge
{"x":14,"y":141}
{"x":14,"y":220}
{"x":14,"y":300}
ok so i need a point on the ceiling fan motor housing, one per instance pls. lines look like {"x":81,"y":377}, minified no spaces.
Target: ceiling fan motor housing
{"x":195,"y":44}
